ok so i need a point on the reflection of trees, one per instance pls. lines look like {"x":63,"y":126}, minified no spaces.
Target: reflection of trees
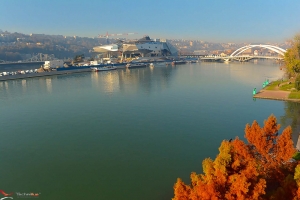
{"x":145,"y":78}
{"x":292,"y":118}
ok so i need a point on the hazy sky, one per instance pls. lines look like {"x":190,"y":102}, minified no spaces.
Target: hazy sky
{"x":215,"y":21}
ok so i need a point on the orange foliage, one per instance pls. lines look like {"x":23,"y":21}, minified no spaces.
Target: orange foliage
{"x":181,"y":191}
{"x":261,"y":169}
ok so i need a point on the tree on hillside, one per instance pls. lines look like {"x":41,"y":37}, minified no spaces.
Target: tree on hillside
{"x":78,"y":58}
{"x":292,"y":57}
{"x":261,"y":169}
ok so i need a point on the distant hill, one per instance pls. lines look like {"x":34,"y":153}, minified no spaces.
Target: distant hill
{"x":19,"y":46}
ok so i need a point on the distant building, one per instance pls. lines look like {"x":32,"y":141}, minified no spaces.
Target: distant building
{"x":144,"y":47}
{"x":217,"y":52}
{"x":200,"y":52}
{"x":110,"y":50}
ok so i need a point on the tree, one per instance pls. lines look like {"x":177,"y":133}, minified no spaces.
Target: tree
{"x":181,"y":191}
{"x":261,"y":169}
{"x":292,"y":57}
{"x":79,"y":58}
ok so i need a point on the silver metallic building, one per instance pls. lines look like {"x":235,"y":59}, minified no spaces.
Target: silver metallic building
{"x":144,"y":47}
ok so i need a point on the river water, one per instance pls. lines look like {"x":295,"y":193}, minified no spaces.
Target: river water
{"x":127,"y":134}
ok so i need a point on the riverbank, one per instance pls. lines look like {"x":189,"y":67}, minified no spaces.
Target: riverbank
{"x":70,"y":70}
{"x":41,"y":74}
{"x":283,"y":90}
{"x":51,"y":73}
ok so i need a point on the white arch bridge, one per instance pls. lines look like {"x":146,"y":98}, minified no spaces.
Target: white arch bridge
{"x":239,"y":56}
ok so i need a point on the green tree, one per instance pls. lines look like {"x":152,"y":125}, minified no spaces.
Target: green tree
{"x":79,"y":58}
{"x":292,"y":57}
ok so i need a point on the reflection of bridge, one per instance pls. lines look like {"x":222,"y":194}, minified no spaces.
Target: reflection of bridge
{"x":237,"y":54}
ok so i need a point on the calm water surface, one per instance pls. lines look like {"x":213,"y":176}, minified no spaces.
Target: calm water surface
{"x":126,"y":134}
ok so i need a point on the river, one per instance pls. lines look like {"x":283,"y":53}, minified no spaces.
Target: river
{"x":127,"y":134}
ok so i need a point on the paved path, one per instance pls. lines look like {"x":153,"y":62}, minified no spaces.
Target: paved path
{"x":276,"y":93}
{"x":273,"y":94}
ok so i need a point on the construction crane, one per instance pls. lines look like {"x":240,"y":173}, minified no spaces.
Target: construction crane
{"x":114,"y":34}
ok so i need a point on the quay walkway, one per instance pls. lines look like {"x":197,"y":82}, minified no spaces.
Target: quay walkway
{"x":60,"y":72}
{"x":274,"y":94}
{"x":41,"y":74}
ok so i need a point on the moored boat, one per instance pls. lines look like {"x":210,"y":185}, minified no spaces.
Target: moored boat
{"x":178,"y":62}
{"x":136,"y":65}
{"x":106,"y":68}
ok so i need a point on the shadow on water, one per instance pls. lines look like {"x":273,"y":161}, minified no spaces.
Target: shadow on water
{"x":292,"y":118}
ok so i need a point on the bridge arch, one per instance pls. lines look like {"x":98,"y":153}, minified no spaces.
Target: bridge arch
{"x":273,"y":48}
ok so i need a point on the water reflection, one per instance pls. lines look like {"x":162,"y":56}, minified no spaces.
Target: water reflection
{"x":188,"y":106}
{"x":39,"y":85}
{"x":49,"y":85}
{"x":125,"y":80}
{"x":246,"y":73}
{"x":129,"y":79}
{"x":24,"y":85}
{"x":292,"y":118}
{"x":108,"y":80}
{"x":95,"y":78}
{"x":146,"y":79}
{"x":6,"y":85}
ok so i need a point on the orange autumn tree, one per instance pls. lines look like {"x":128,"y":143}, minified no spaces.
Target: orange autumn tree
{"x":261,"y":169}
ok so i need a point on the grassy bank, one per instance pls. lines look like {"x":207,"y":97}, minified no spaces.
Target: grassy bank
{"x":285,"y":85}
